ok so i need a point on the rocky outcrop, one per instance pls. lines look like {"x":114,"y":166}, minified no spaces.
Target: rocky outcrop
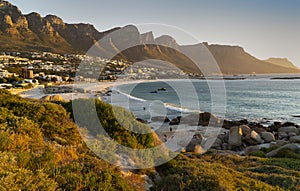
{"x":235,"y":137}
{"x":148,"y":38}
{"x":267,"y":137}
{"x":201,"y":119}
{"x":175,"y":121}
{"x":52,"y":98}
{"x":253,"y":138}
{"x":195,"y":145}
{"x":287,"y":130}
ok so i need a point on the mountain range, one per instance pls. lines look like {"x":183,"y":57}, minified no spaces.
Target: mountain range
{"x":32,"y":32}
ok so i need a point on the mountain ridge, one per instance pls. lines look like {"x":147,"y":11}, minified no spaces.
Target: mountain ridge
{"x":281,"y":62}
{"x":32,"y":32}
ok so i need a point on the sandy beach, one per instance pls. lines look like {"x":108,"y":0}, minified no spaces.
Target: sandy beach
{"x":38,"y":92}
{"x":93,"y":90}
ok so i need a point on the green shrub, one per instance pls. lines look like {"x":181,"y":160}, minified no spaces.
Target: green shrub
{"x":287,"y":153}
{"x":258,"y":154}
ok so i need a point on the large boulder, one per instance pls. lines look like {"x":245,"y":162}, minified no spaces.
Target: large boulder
{"x":201,"y":119}
{"x":288,"y":129}
{"x":292,"y":146}
{"x":258,"y":129}
{"x":195,"y":146}
{"x":52,"y":98}
{"x":292,"y":134}
{"x":282,"y":135}
{"x":235,"y":137}
{"x":295,"y":139}
{"x":288,"y":124}
{"x":253,"y":138}
{"x":46,"y":98}
{"x":267,"y":137}
{"x":206,"y":119}
{"x":175,"y":121}
{"x":280,"y":143}
{"x":246,"y":130}
{"x":56,"y":98}
{"x":228,"y":124}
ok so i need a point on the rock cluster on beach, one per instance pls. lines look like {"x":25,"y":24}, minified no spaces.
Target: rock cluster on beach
{"x":52,"y":98}
{"x":240,"y":136}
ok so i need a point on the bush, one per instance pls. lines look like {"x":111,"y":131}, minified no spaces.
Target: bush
{"x":287,"y":153}
{"x":258,"y":154}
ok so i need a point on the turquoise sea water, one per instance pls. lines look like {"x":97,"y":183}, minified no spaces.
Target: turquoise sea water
{"x":254,"y":99}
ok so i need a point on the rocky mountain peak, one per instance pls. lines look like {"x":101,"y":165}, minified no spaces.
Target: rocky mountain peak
{"x":54,"y":20}
{"x":6,"y":8}
{"x":148,"y":37}
{"x":35,"y":20}
{"x":167,"y":41}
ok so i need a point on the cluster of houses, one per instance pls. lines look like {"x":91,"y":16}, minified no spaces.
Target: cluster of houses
{"x":48,"y":67}
{"x":34,"y":67}
{"x":93,"y":69}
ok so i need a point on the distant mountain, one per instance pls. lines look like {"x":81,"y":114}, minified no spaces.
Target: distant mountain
{"x":234,"y":60}
{"x":33,"y":32}
{"x":282,"y":62}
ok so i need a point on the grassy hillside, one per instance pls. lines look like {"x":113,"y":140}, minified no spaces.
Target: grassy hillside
{"x":217,"y":172}
{"x":41,"y":149}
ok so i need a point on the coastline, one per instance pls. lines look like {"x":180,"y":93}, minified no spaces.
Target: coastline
{"x":251,"y":138}
{"x":103,"y":87}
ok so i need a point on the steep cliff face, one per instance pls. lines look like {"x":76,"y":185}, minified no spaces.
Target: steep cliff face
{"x":13,"y":22}
{"x":79,"y":36}
{"x":34,"y":32}
{"x":148,"y":38}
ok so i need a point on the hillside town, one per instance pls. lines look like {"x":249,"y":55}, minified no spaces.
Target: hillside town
{"x":28,"y":69}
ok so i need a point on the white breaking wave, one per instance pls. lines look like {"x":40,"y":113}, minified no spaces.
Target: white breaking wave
{"x":179,"y":108}
{"x":169,"y":106}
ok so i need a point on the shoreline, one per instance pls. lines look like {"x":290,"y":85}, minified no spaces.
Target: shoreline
{"x":103,"y":90}
{"x":93,"y":87}
{"x":248,"y":135}
{"x":103,"y":87}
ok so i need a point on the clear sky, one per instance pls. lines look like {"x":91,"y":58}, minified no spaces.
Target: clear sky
{"x":265,"y":28}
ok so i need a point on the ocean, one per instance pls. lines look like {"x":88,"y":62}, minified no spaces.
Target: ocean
{"x":258,"y":100}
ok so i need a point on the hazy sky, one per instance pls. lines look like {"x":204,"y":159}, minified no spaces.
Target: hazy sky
{"x":265,"y":28}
